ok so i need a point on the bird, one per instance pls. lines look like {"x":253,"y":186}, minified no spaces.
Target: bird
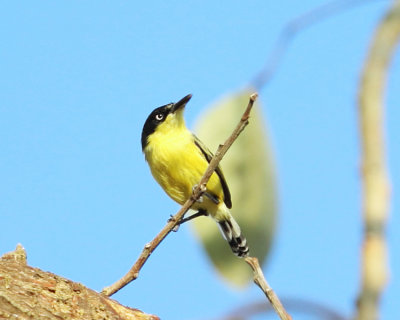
{"x":177,"y":161}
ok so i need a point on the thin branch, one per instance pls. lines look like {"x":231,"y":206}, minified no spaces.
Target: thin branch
{"x":295,"y":305}
{"x":262,"y":283}
{"x":290,"y":31}
{"x":133,"y":273}
{"x":375,"y":178}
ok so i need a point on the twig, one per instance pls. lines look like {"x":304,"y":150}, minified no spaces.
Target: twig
{"x":376,"y":187}
{"x":291,"y":29}
{"x":260,"y":281}
{"x":313,"y":309}
{"x":133,"y":273}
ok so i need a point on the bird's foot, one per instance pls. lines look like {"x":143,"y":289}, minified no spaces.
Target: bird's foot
{"x":172,"y":219}
{"x":209,"y":195}
{"x":200,"y":199}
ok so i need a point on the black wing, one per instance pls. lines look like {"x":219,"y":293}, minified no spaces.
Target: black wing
{"x":208,"y":155}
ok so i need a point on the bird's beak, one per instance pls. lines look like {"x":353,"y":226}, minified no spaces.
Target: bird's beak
{"x":181,"y":103}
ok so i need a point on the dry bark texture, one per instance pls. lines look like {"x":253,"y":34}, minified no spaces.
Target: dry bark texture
{"x":30,"y":293}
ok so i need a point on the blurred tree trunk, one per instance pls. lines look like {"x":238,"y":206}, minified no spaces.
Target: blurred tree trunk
{"x":376,"y":184}
{"x":30,"y":293}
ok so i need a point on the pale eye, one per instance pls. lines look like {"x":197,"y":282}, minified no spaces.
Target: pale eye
{"x":159,"y":116}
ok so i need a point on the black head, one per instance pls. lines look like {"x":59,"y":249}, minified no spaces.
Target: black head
{"x":159,"y":115}
{"x":153,"y":120}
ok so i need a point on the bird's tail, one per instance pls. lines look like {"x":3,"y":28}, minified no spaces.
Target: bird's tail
{"x":232,"y":233}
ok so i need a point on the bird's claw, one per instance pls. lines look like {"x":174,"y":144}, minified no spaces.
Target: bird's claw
{"x":172,"y":219}
{"x":200,"y":199}
{"x":210,"y":196}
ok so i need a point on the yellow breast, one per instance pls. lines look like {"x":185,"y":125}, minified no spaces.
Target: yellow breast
{"x":178,"y":165}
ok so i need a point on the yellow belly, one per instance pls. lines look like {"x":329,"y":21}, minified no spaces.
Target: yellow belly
{"x":178,"y":165}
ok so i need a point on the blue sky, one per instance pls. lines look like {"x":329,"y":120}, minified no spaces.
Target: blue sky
{"x":78,"y":80}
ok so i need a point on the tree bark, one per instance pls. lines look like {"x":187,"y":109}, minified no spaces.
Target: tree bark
{"x":30,"y":293}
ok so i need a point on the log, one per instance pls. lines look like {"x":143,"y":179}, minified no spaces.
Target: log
{"x":30,"y":293}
